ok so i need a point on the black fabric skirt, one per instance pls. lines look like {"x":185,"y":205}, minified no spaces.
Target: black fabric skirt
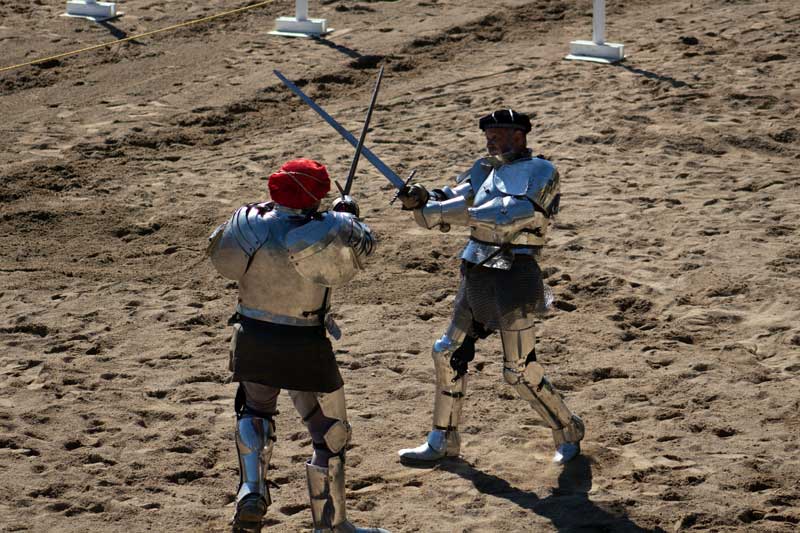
{"x":286,"y":357}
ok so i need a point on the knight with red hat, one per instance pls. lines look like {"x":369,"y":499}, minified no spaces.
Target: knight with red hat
{"x":285,"y":256}
{"x":507,"y":201}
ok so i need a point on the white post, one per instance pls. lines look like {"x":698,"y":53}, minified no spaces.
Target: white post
{"x":92,"y":10}
{"x":300,"y":25}
{"x":301,"y":10}
{"x":599,"y":22}
{"x":597,"y":50}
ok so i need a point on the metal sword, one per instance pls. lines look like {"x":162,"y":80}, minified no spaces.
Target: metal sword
{"x":349,"y":183}
{"x":390,"y":175}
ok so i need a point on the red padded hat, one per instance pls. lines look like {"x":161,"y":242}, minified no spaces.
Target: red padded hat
{"x":299,"y":184}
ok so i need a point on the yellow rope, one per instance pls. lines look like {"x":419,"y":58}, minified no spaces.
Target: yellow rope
{"x":147,"y":34}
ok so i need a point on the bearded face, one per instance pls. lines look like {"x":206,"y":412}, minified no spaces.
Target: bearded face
{"x":503,"y":140}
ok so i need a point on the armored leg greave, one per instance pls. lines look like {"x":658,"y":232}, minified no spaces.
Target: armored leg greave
{"x":444,"y":439}
{"x":326,"y":488}
{"x":450,"y":391}
{"x":255,"y":438}
{"x":325,"y":414}
{"x":527,"y":377}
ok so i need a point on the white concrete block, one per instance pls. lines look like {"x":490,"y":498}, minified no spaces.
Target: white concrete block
{"x":599,"y":53}
{"x":92,"y":10}
{"x":295,"y":27}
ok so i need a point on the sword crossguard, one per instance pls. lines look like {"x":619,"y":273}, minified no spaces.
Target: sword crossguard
{"x":405,"y":184}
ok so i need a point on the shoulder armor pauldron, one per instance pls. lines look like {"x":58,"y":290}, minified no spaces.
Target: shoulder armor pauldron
{"x":535,"y":178}
{"x":328,"y":249}
{"x":233,"y":245}
{"x":249,"y":226}
{"x":477,"y":174}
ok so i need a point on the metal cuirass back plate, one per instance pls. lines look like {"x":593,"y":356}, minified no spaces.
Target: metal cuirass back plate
{"x":271,"y":289}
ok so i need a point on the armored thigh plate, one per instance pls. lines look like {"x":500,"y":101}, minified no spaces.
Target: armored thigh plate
{"x":328,"y":251}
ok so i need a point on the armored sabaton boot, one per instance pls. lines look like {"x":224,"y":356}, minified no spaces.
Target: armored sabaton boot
{"x":327,"y":494}
{"x":255,"y":438}
{"x":568,"y":440}
{"x":526,"y":375}
{"x":443,"y":440}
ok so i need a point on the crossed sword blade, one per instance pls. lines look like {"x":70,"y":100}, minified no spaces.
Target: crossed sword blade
{"x":349,"y":183}
{"x":395,"y":180}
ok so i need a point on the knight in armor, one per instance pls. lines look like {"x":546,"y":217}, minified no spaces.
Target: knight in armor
{"x":285,"y":256}
{"x":507,"y":200}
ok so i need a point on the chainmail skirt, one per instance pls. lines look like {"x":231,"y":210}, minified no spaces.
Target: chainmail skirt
{"x":504,"y":299}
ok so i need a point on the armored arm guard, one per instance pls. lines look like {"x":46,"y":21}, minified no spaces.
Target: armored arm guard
{"x":233,"y":244}
{"x":463,"y":188}
{"x":453,"y":211}
{"x":505,"y":215}
{"x":449,"y":204}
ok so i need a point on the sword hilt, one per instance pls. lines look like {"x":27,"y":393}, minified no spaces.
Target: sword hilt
{"x":405,"y":184}
{"x":341,"y":190}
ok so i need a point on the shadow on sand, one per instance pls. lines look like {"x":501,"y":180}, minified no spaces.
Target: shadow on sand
{"x":651,"y":75}
{"x":113,"y":30}
{"x":360,"y":61}
{"x":568,"y":508}
{"x":349,"y":52}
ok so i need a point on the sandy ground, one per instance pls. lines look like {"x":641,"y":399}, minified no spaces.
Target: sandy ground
{"x":675,"y":262}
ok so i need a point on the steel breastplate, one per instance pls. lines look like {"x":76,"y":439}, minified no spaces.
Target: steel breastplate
{"x":528,"y":177}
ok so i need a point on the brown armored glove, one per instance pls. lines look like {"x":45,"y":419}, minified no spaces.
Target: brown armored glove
{"x":413,"y":197}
